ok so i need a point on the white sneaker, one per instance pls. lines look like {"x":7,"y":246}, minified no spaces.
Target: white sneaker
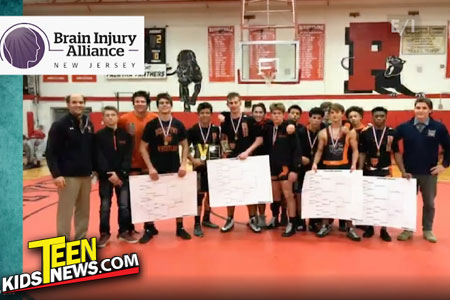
{"x":254,"y":225}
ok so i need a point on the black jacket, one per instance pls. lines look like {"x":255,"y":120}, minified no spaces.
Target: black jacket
{"x":70,"y":147}
{"x":113,"y":150}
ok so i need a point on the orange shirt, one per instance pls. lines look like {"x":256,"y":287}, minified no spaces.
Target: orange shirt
{"x":135,"y":125}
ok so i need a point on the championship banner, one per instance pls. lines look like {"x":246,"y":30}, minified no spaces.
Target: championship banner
{"x":221,"y":47}
{"x":168,"y":197}
{"x":234,"y":182}
{"x":84,"y":78}
{"x":312,"y":48}
{"x":55,"y":78}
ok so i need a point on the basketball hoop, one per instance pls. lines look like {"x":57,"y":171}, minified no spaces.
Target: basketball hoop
{"x":269,"y":75}
{"x":268,"y":68}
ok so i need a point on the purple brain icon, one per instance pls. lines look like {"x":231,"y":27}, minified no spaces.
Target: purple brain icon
{"x":23,"y":48}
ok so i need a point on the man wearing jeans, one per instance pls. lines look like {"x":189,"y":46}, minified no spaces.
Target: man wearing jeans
{"x":421,"y":139}
{"x":70,"y":160}
{"x":113,"y":153}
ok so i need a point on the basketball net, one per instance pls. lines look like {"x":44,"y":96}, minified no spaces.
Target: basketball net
{"x":268,"y":75}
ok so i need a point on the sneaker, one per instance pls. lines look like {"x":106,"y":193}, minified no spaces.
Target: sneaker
{"x":290,"y":230}
{"x":209,"y":224}
{"x":283,"y":219}
{"x":313,"y":225}
{"x":229,"y":224}
{"x":147,"y":236}
{"x":198,"y":230}
{"x":368,"y":232}
{"x":127,"y":237}
{"x":405,"y":235}
{"x":153,"y":229}
{"x":342,"y":226}
{"x":351,"y":234}
{"x":301,"y":226}
{"x":183,"y":234}
{"x":103,"y":240}
{"x":254,"y":225}
{"x":429,"y":236}
{"x":384,"y":235}
{"x":323,"y":231}
{"x":273,"y":223}
{"x":262,"y":221}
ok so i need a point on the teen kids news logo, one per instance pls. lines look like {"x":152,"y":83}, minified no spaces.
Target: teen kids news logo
{"x":72,"y":45}
{"x":69,"y":262}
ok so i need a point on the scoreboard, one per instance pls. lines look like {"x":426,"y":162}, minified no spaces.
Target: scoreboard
{"x":155,"y":45}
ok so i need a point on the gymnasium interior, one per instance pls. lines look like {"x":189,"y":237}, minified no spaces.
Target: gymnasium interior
{"x":318,"y":50}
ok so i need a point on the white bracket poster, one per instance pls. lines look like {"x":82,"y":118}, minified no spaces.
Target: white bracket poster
{"x":234,"y":182}
{"x":166,"y":198}
{"x":332,"y":194}
{"x":390,"y":202}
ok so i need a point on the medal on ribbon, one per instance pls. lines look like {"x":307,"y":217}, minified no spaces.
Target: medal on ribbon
{"x":236,"y":128}
{"x":203,"y":151}
{"x":166,"y":133}
{"x":378,"y":144}
{"x":311,"y":143}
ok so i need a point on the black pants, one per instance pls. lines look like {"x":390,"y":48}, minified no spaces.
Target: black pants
{"x":123,"y":202}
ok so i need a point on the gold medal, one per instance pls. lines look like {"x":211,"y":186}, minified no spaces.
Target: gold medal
{"x":236,"y":128}
{"x":166,"y":133}
{"x":311,"y":143}
{"x":203,"y":150}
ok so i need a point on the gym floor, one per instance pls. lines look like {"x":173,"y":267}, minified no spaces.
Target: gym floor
{"x":241,"y":261}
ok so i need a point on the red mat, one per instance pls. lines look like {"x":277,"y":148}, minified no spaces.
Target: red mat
{"x":266,"y":262}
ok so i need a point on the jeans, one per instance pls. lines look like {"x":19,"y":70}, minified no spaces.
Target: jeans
{"x":123,"y":202}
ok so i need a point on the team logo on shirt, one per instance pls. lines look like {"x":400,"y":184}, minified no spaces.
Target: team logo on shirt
{"x":431,"y":133}
{"x":374,"y":161}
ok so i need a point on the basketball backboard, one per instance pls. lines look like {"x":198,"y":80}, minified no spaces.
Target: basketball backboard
{"x":261,"y":59}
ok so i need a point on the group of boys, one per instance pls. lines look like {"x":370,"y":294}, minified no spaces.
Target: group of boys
{"x":141,"y":142}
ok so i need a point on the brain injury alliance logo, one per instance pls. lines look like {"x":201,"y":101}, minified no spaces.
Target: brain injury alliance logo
{"x":22,"y":45}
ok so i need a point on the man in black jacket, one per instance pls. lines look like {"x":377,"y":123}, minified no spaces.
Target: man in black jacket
{"x":113,"y":153}
{"x":70,"y":160}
